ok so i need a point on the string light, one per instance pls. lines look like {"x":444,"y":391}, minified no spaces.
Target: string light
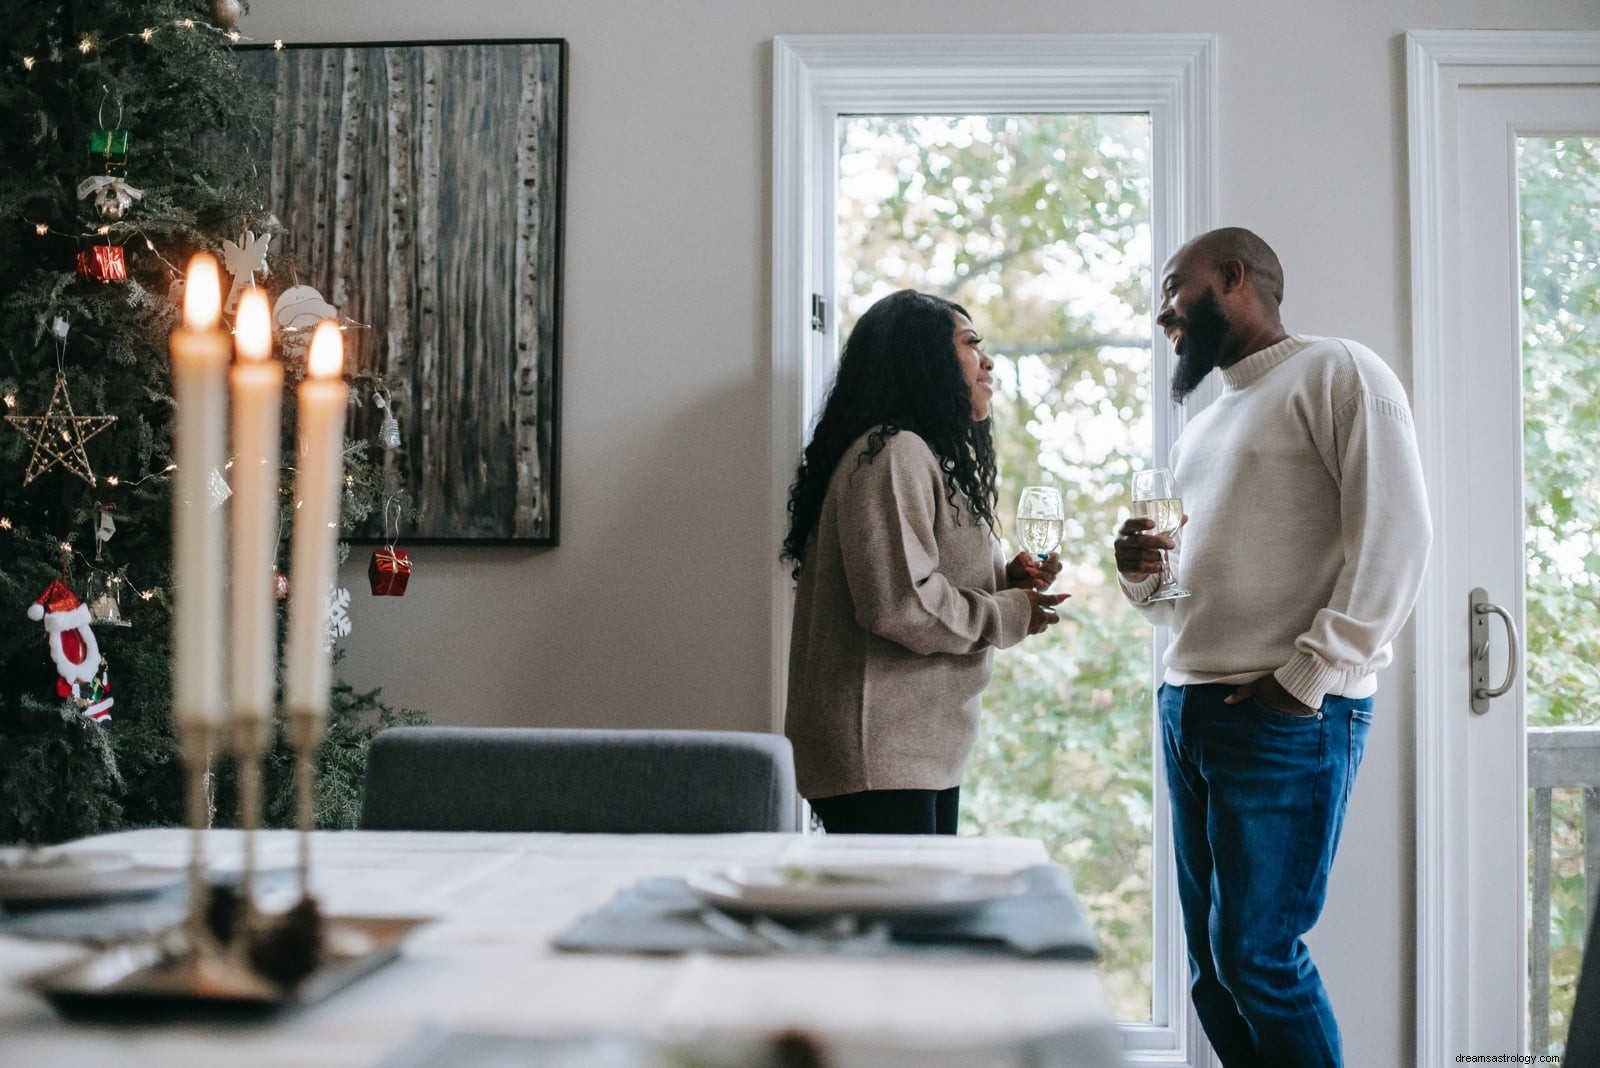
{"x":41,"y":228}
{"x":5,"y":522}
{"x":113,"y":480}
{"x":91,"y":42}
{"x":277,"y":45}
{"x":11,"y":400}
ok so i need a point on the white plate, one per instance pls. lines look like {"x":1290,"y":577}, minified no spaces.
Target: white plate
{"x":34,"y":877}
{"x":856,"y":889}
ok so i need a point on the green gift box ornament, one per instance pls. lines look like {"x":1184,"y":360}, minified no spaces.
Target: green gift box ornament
{"x":111,"y":146}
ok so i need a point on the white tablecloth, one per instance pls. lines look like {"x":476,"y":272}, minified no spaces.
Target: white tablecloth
{"x":485,"y":964}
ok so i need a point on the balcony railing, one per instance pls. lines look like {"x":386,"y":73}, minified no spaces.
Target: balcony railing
{"x":1559,"y":758}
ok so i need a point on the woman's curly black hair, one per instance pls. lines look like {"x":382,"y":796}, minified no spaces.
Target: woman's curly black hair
{"x":899,"y":371}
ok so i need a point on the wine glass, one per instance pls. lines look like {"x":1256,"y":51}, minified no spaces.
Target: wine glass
{"x":1156,"y":497}
{"x":1041,"y":518}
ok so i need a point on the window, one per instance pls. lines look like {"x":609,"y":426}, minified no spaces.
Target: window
{"x":1143,"y":103}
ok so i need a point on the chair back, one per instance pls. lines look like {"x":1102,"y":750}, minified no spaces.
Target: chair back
{"x":579,"y":780}
{"x":1583,"y":1033}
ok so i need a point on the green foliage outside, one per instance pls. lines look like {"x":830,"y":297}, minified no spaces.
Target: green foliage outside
{"x":194,"y":123}
{"x":1559,"y":180}
{"x":1040,"y":226}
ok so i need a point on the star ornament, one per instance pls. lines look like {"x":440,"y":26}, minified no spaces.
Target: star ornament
{"x":58,"y":438}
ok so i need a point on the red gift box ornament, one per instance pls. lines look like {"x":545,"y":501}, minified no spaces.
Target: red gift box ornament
{"x":388,"y":572}
{"x":103,"y":263}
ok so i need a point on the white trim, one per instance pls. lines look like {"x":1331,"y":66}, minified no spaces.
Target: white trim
{"x":1439,"y":64}
{"x":817,"y":78}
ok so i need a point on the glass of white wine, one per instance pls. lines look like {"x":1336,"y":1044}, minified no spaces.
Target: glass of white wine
{"x":1154,"y":496}
{"x":1041,"y":519}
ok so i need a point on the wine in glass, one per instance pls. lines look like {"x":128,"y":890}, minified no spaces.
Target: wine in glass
{"x":1156,"y":497}
{"x":1041,"y":519}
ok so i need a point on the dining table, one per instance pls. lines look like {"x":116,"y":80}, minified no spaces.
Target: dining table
{"x":485,"y":962}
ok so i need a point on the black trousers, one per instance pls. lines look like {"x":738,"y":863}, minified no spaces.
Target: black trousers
{"x":890,"y":811}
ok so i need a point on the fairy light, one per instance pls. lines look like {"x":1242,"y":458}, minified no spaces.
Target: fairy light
{"x":28,"y":62}
{"x":64,"y":546}
{"x":187,"y":24}
{"x":234,"y":36}
{"x":41,"y":228}
{"x":277,"y":45}
{"x":105,"y":228}
{"x":113,"y":480}
{"x":86,"y":45}
{"x":5,"y":522}
{"x":11,"y":400}
{"x":147,"y":34}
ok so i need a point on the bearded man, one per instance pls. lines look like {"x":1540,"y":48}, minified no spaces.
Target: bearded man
{"x":1304,"y":549}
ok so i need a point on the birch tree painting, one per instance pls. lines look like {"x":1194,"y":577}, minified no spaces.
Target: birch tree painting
{"x":420,"y":188}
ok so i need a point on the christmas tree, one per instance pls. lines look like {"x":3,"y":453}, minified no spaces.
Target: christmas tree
{"x":129,"y":139}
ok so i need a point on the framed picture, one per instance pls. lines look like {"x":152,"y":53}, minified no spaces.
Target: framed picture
{"x":420,"y":189}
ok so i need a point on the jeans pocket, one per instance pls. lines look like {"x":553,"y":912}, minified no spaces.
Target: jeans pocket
{"x":1288,"y":717}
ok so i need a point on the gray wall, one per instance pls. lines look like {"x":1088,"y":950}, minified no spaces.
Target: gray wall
{"x":653,"y":611}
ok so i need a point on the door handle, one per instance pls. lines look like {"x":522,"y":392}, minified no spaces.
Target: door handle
{"x":1481,"y":609}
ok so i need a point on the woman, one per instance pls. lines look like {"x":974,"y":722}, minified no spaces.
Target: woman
{"x":903,"y":592}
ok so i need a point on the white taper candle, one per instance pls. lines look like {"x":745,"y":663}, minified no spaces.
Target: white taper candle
{"x":199,"y":373}
{"x":257,"y":407}
{"x":321,"y":401}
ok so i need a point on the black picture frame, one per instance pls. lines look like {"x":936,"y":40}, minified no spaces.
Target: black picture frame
{"x":421,"y":185}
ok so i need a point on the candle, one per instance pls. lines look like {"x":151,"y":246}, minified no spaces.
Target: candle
{"x":199,"y":369}
{"x":320,"y":458}
{"x":257,"y":397}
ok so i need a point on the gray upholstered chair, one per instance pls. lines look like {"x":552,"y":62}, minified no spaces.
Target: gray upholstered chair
{"x":1583,"y":1033}
{"x":579,"y":780}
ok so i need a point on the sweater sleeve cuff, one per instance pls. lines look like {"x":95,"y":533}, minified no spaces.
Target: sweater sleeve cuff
{"x":1015,"y":615}
{"x":1138,"y":592}
{"x":1308,"y":678}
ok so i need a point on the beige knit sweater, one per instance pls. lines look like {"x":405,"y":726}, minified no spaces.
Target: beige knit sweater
{"x":897,"y":613}
{"x":1308,"y":524}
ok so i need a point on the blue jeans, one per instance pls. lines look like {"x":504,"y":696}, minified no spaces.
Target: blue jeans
{"x":1258,"y":801}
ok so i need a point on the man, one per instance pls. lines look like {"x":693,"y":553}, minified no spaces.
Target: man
{"x":1306,"y":534}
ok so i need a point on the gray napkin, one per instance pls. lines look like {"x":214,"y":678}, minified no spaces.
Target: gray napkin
{"x":663,"y":915}
{"x":1091,"y":1047}
{"x":112,"y":920}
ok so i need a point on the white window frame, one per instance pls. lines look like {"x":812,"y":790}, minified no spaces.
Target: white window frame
{"x":815,"y":80}
{"x":1440,"y":66}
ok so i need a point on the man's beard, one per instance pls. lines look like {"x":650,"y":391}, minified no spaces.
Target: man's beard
{"x":1200,"y":349}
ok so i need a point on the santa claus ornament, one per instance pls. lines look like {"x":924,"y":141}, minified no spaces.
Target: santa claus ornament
{"x":79,"y":665}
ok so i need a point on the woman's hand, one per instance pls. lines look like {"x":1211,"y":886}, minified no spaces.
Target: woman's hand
{"x":1027,"y":572}
{"x":1043,"y":607}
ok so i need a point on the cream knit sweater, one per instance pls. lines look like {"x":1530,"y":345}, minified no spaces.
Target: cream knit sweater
{"x":1308,"y":524}
{"x":897,"y":613}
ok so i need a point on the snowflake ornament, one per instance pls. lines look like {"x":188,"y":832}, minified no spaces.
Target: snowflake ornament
{"x":338,"y":615}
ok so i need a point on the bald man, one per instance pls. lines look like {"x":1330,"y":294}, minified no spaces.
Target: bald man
{"x":1306,"y":536}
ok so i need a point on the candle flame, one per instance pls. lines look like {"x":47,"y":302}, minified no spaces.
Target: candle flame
{"x":326,"y":359}
{"x":252,"y":330}
{"x":202,"y":293}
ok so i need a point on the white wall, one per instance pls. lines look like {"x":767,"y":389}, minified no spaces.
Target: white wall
{"x":653,"y":611}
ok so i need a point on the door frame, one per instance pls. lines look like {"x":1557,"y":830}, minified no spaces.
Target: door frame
{"x":1439,"y":66}
{"x":815,"y":79}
